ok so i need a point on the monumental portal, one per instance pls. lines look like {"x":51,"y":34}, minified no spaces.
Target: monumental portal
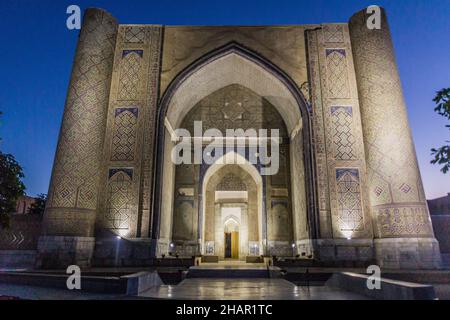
{"x":348,"y":186}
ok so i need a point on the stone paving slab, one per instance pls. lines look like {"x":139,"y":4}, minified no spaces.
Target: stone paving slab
{"x":246,"y":289}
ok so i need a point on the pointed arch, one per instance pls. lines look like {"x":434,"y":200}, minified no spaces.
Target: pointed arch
{"x":233,"y":63}
{"x":231,"y":222}
{"x":232,"y":159}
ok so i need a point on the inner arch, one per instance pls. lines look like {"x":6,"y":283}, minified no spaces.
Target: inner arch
{"x":251,"y":223}
{"x":229,"y":69}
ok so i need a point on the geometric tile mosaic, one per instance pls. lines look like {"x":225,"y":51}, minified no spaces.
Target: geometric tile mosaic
{"x":134,"y":34}
{"x":333,"y":33}
{"x":124,"y":136}
{"x":118,"y":211}
{"x":342,"y":133}
{"x":130,"y":74}
{"x":337,"y":73}
{"x":350,"y":214}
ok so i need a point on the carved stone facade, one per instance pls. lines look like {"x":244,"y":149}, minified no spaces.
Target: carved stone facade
{"x":348,"y":185}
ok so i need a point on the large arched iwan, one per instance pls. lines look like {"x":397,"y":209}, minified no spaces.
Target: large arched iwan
{"x":283,"y":80}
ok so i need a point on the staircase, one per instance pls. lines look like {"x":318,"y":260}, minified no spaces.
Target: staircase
{"x":235,"y":270}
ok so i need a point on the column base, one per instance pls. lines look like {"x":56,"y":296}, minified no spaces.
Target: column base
{"x":281,"y":249}
{"x":121,"y":252}
{"x":305,"y":248}
{"x":160,"y":247}
{"x":343,"y":250}
{"x":408,"y":253}
{"x":61,"y":252}
{"x":184,"y":249}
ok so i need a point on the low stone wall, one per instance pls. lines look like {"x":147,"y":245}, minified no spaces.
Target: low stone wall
{"x":132,"y":284}
{"x":210,"y":259}
{"x":419,"y":276}
{"x":10,"y":259}
{"x":389,"y":289}
{"x":185,"y":249}
{"x":252,"y":259}
{"x":114,"y":252}
{"x":445,"y":260}
{"x":142,"y":281}
{"x":61,"y":252}
{"x":408,"y":253}
{"x":97,"y":284}
{"x":334,"y":250}
{"x":22,"y":234}
{"x":441,"y":227}
{"x":281,"y":249}
{"x":18,"y":243}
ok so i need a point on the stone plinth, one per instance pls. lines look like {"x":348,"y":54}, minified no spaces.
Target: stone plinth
{"x":61,"y":252}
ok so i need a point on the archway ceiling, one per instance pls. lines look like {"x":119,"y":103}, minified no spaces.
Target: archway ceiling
{"x":233,"y":69}
{"x":223,"y":163}
{"x":215,"y":178}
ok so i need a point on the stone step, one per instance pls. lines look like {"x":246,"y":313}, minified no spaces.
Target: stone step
{"x":310,"y":263}
{"x":233,"y":272}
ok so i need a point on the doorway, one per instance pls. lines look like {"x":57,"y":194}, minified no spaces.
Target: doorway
{"x":232,"y":245}
{"x":232,"y":215}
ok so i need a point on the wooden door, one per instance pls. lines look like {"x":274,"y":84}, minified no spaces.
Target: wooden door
{"x":235,"y":245}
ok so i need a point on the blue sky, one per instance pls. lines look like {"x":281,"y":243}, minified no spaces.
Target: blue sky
{"x":37,"y":52}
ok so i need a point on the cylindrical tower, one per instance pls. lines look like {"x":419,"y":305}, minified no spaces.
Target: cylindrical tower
{"x":403,"y":232}
{"x":69,"y":218}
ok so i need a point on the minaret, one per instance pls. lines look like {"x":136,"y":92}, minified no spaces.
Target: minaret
{"x":68,"y":231}
{"x":403,"y":232}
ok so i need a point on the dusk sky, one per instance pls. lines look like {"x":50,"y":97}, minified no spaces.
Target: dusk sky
{"x":37,"y":53}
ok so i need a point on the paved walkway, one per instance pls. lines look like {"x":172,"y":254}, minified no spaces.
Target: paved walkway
{"x":231,"y":280}
{"x":195,"y":289}
{"x":246,"y":289}
{"x":43,"y":293}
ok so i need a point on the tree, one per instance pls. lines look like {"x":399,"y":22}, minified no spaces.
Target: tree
{"x":11,"y":186}
{"x":442,"y":154}
{"x":38,"y":207}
